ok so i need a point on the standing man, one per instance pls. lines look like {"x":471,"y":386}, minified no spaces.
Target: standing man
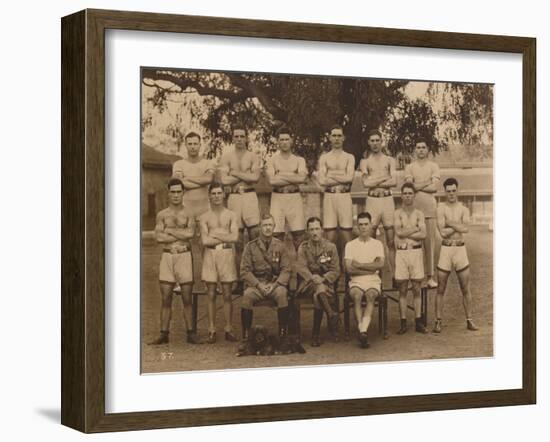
{"x":265,"y":270}
{"x":452,"y":221}
{"x":410,"y":229}
{"x":196,"y":174}
{"x":364,"y":257}
{"x":379,"y":177}
{"x":425,"y":176}
{"x":319,"y":268}
{"x":285,"y":172}
{"x":219,"y":233}
{"x":240,"y":169}
{"x":336,"y":171}
{"x":173,"y":230}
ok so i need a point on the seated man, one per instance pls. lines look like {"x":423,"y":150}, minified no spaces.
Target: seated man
{"x":265,"y":270}
{"x":319,"y":268}
{"x":364,"y":257}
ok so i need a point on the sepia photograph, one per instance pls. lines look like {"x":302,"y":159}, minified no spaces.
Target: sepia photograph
{"x":304,"y":220}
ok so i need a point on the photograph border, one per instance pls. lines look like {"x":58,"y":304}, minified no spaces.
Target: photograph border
{"x":83,"y":220}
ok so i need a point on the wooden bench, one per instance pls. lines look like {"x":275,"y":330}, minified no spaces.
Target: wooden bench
{"x":383,"y":308}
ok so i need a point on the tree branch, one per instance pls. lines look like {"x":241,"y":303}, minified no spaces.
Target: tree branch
{"x":183,"y":83}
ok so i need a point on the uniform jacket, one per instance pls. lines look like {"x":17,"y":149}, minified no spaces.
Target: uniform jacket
{"x":318,"y":259}
{"x":266,"y":265}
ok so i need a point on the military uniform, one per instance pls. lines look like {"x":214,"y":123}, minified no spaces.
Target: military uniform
{"x":319,"y":258}
{"x":263,"y":263}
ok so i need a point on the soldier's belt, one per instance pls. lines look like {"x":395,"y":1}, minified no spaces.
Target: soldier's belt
{"x":452,"y":242}
{"x":340,"y":188}
{"x":238,"y":190}
{"x":408,"y":246}
{"x":174,"y":250}
{"x":223,"y":245}
{"x":286,"y":189}
{"x":379,"y":193}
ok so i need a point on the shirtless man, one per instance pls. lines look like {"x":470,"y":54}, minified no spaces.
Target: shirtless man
{"x":196,"y":174}
{"x":219,"y":233}
{"x":425,"y":176}
{"x":410,"y":230}
{"x":240,"y":169}
{"x":285,"y":172}
{"x":452,"y":221}
{"x":336,"y":171}
{"x":379,"y":177}
{"x":173,"y":230}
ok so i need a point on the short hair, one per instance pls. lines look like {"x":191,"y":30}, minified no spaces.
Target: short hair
{"x":215,"y":185}
{"x":266,"y":215}
{"x":450,"y":182}
{"x":174,"y":182}
{"x":192,"y":135}
{"x":364,"y":215}
{"x":313,"y":219}
{"x":336,"y":126}
{"x":421,"y":140}
{"x":238,"y":127}
{"x":284,"y":130}
{"x":408,"y":186}
{"x":374,"y":132}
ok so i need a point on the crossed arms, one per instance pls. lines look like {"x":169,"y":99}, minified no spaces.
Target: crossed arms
{"x":334,"y":177}
{"x":417,"y":232}
{"x":230,"y":176}
{"x":167,"y":235}
{"x":193,"y":181}
{"x":371,"y":182}
{"x":448,"y":227}
{"x":211,"y":238}
{"x":356,"y":268}
{"x":282,"y":178}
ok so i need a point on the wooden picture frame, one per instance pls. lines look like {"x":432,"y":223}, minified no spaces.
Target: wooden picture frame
{"x":83,"y":220}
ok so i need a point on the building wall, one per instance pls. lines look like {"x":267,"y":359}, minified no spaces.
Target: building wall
{"x":475,"y":185}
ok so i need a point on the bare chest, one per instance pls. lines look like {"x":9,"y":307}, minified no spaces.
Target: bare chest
{"x":336,"y":162}
{"x":218,"y":221}
{"x":286,"y":165}
{"x":378,"y":166}
{"x":241,"y":162}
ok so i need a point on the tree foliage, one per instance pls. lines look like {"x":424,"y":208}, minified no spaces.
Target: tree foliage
{"x":310,"y":105}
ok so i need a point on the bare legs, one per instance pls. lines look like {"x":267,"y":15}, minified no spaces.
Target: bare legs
{"x":227,"y":306}
{"x":464,"y":282}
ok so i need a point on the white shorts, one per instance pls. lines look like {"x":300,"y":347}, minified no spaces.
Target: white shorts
{"x":337,"y":210}
{"x":219,"y":265}
{"x":246,"y":207}
{"x":177,"y":267}
{"x":367,"y":285}
{"x":288,"y":207}
{"x":409,"y":264}
{"x":381,"y":210}
{"x":453,"y":257}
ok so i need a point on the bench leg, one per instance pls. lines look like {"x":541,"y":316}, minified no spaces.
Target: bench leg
{"x":424,"y":306}
{"x":385,"y":317}
{"x":294,"y":319}
{"x":380,"y":315}
{"x":346,"y":317}
{"x":194,"y":311}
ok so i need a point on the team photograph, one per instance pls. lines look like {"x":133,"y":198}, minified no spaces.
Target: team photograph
{"x":299,"y":220}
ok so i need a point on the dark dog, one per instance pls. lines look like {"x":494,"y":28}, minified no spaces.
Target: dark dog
{"x":261,"y":343}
